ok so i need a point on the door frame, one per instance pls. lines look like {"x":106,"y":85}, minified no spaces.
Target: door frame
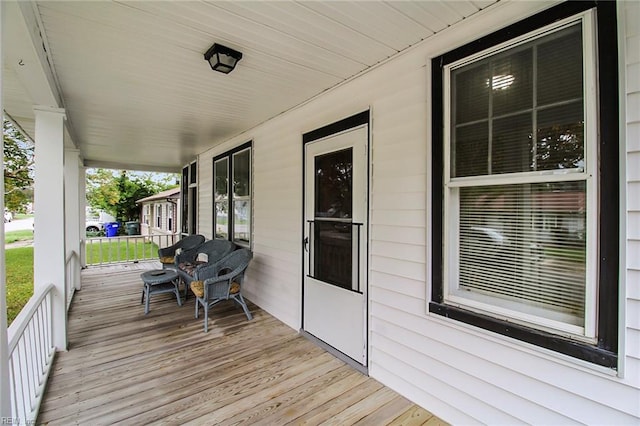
{"x":351,"y":122}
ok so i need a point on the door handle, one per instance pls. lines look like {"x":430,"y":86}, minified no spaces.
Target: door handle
{"x":306,"y":244}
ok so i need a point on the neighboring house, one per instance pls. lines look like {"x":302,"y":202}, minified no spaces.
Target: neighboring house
{"x":160,"y":213}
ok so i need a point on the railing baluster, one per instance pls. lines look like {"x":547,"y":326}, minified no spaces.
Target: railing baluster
{"x":41,"y":348}
{"x":34,"y":357}
{"x":24,"y":377}
{"x":12,"y":385}
{"x":107,"y":250}
{"x":30,"y":364}
{"x":30,"y":354}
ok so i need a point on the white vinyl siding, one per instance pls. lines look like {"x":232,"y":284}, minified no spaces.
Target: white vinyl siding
{"x":273,"y":278}
{"x":460,"y":373}
{"x":630,"y":16}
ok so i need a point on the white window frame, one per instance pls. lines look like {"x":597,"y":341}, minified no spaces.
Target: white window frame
{"x":493,"y":306}
{"x":222,"y":200}
{"x":189,"y":199}
{"x":231,"y":198}
{"x":158,"y":216}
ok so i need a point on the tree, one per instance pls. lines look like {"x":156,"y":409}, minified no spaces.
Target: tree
{"x":116,"y":192}
{"x":18,"y":168}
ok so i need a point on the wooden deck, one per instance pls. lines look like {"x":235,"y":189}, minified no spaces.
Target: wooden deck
{"x":123,"y":367}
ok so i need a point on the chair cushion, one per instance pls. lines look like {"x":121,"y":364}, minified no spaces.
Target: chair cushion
{"x":190,"y":267}
{"x":197,"y":287}
{"x":167,"y":259}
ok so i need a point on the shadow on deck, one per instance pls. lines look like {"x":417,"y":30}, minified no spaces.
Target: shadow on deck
{"x":125,"y":367}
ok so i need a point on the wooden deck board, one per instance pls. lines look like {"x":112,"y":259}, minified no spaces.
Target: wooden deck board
{"x":124,"y":367}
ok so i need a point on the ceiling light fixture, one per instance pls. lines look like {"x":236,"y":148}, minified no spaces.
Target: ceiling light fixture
{"x":222,"y":58}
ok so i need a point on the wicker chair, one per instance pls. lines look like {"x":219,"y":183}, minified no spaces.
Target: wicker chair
{"x":188,"y":264}
{"x":167,"y":255}
{"x":222,"y":281}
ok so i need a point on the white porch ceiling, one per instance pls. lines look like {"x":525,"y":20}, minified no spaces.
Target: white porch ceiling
{"x":139,"y":95}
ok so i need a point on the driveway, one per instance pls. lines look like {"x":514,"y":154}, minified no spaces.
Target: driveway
{"x":17,"y":225}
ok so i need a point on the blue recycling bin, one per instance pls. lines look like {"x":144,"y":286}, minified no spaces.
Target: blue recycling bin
{"x":111,"y":229}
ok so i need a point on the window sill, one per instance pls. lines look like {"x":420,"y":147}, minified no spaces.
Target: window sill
{"x":572,"y":348}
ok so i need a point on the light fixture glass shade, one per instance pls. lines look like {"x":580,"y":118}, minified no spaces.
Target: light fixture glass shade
{"x":222,"y":58}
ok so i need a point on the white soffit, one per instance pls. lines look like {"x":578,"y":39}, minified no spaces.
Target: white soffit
{"x":139,"y":94}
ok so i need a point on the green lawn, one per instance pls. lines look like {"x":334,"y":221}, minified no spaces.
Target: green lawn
{"x":569,"y":254}
{"x":19,"y":267}
{"x":119,"y":251}
{"x":21,"y":216}
{"x":22,"y":235}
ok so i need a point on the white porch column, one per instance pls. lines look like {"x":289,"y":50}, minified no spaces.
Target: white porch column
{"x":5,"y":394}
{"x":82,"y":196}
{"x":49,"y":236}
{"x":73,"y":204}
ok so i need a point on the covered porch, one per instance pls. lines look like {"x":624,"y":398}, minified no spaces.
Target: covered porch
{"x":361,"y":90}
{"x":125,"y":367}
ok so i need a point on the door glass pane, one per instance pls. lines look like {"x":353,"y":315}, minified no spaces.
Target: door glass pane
{"x":332,"y":241}
{"x":333,"y":253}
{"x":333,"y":183}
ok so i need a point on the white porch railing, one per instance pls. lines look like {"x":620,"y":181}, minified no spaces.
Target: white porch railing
{"x":72,"y":275}
{"x":31,"y":349}
{"x":133,"y":248}
{"x":31,"y":353}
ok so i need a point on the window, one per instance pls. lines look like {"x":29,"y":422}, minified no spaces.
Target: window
{"x":189,"y":198}
{"x":159,"y":216}
{"x":170,"y":217}
{"x":232,"y":195}
{"x":520,"y":180}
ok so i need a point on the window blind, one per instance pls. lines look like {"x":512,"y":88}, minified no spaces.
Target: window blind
{"x":526,"y":243}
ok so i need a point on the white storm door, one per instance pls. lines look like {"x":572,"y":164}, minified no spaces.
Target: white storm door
{"x":334,"y":288}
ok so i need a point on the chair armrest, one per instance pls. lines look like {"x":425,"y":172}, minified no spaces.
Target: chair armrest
{"x":218,"y":287}
{"x":206,"y":271}
{"x":167,"y":251}
{"x":187,"y":256}
{"x":222,"y":283}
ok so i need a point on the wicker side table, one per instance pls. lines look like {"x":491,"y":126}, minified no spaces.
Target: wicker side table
{"x":159,"y":281}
